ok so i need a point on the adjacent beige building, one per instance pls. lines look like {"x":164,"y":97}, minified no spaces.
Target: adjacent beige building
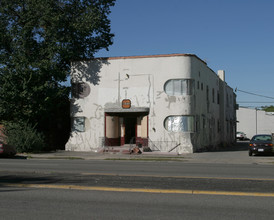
{"x":254,"y":121}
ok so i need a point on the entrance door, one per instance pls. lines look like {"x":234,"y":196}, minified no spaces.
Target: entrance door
{"x":130,"y":129}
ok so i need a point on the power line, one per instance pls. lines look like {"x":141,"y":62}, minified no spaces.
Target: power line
{"x":251,"y":93}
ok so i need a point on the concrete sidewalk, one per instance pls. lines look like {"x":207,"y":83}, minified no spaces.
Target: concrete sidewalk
{"x":83,"y":155}
{"x":221,"y":157}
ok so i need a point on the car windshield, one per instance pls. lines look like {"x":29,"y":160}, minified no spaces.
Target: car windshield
{"x":262,"y":138}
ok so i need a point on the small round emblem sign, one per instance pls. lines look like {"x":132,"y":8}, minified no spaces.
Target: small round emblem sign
{"x":126,"y":103}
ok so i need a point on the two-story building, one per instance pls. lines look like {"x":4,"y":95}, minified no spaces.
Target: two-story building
{"x":171,"y":103}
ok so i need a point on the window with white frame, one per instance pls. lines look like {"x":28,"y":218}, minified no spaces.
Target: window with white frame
{"x":176,"y":87}
{"x":181,"y":123}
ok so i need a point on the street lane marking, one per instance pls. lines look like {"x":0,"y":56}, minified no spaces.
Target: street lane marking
{"x":163,"y":191}
{"x":180,"y":177}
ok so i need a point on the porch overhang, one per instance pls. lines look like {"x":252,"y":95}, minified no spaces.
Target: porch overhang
{"x":127,"y":110}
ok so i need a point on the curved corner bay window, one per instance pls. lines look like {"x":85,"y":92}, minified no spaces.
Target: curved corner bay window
{"x":183,"y":123}
{"x":179,"y":87}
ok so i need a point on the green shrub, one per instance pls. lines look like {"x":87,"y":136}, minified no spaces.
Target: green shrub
{"x":23,"y":137}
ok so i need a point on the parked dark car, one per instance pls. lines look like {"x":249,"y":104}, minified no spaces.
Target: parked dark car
{"x":261,"y":143}
{"x":7,"y":150}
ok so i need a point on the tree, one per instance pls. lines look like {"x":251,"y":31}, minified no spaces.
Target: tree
{"x":38,"y":41}
{"x":268,"y":108}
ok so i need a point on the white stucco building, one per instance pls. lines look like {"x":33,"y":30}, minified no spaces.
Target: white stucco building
{"x":254,"y":121}
{"x":172,"y":103}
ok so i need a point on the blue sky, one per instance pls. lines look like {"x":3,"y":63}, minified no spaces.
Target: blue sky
{"x":234,"y":35}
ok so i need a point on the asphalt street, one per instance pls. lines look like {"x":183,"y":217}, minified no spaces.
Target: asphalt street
{"x":226,"y":184}
{"x":31,"y":203}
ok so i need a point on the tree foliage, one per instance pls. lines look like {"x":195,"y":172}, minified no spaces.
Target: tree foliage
{"x":23,"y":136}
{"x":268,"y":108}
{"x":38,"y":41}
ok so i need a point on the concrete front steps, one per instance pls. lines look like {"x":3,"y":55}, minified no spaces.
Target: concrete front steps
{"x":131,"y":149}
{"x":116,"y":149}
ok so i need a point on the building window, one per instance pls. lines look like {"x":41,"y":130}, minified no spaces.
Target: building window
{"x":212,"y":124}
{"x":218,"y":97}
{"x":204,"y":122}
{"x":197,"y":127}
{"x":207,"y":94}
{"x":179,"y":123}
{"x":176,"y":87}
{"x":80,"y":90}
{"x":213,"y":95}
{"x":198,"y":85}
{"x":78,"y":124}
{"x":202,"y":86}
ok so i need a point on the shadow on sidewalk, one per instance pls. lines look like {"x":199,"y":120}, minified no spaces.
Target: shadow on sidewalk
{"x":239,"y":146}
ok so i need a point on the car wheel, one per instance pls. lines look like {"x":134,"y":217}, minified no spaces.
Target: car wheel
{"x":250,"y":153}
